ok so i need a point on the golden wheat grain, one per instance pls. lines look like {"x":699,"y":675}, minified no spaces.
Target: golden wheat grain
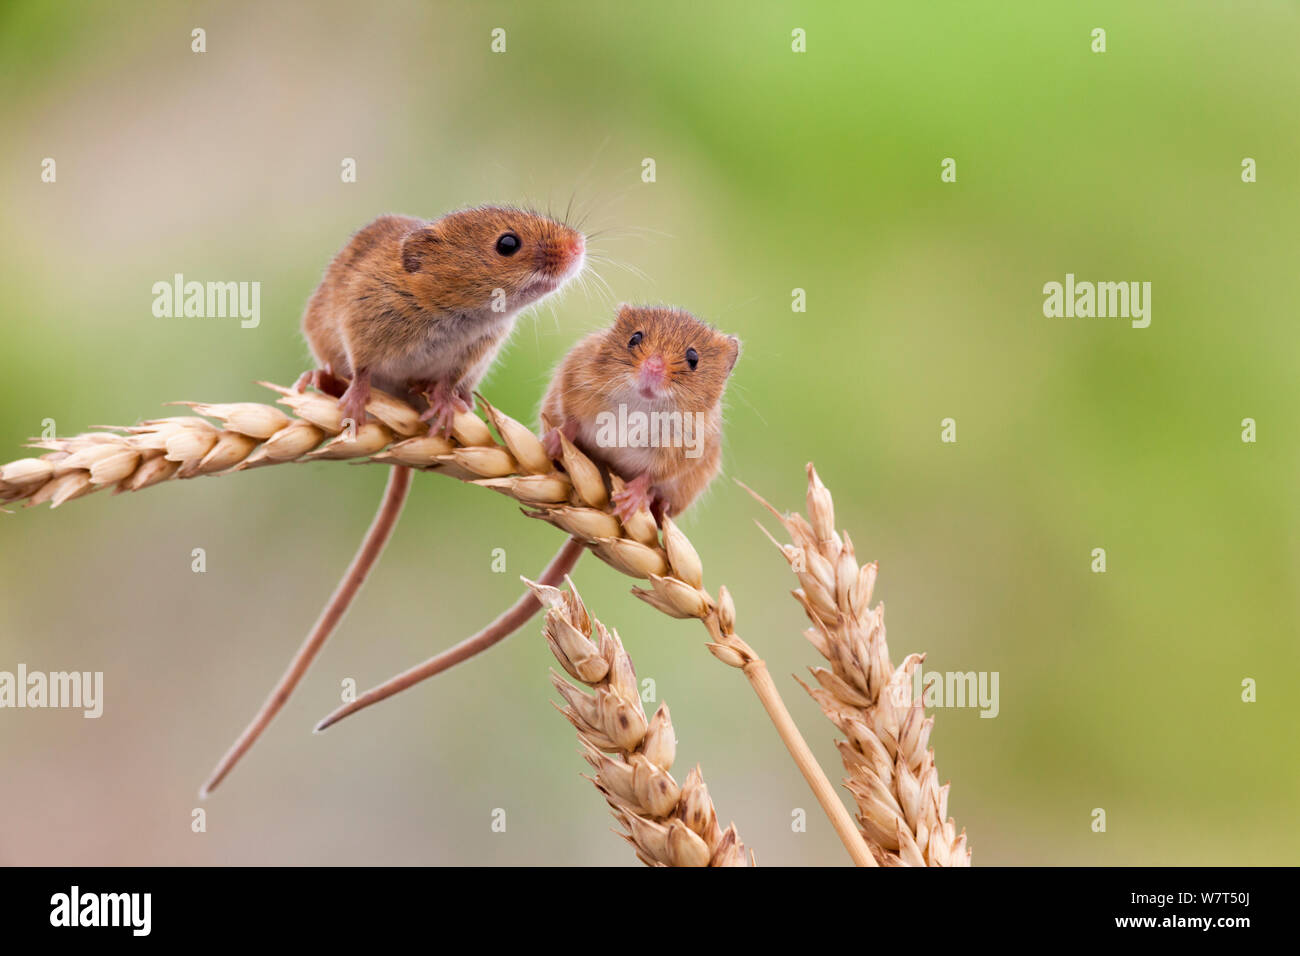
{"x":575,"y":499}
{"x":901,"y":807}
{"x":667,"y":824}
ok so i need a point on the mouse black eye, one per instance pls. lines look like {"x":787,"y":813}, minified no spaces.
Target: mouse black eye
{"x":692,"y":358}
{"x":508,"y":244}
{"x":635,"y":340}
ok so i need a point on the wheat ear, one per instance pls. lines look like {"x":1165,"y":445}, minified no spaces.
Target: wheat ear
{"x":667,"y":824}
{"x":901,"y":807}
{"x":575,"y":500}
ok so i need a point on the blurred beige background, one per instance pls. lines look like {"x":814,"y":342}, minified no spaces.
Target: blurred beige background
{"x":775,"y":171}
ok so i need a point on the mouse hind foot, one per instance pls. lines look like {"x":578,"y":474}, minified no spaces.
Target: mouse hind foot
{"x":323,"y":380}
{"x":551,"y":440}
{"x":445,"y":403}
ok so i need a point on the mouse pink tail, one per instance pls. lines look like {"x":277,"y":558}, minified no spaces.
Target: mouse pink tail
{"x":381,"y":529}
{"x":505,"y":625}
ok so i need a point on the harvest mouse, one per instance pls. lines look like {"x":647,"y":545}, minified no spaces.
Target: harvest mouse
{"x":416,"y":308}
{"x":644,"y":399}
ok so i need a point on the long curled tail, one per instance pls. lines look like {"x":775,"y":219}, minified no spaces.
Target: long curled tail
{"x":505,"y":625}
{"x":372,"y":545}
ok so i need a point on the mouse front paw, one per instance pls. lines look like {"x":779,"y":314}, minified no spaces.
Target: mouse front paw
{"x":632,"y":497}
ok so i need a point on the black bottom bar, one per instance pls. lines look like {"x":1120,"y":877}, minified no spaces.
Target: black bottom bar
{"x":857,"y":908}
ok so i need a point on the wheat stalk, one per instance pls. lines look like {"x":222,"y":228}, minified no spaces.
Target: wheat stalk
{"x":576,"y":499}
{"x":667,"y":824}
{"x":901,"y":807}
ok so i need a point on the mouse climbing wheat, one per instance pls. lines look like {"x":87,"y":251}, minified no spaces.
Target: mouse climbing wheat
{"x":643,"y":398}
{"x":418,"y":309}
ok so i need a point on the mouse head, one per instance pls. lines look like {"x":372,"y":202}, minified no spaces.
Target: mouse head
{"x":491,"y":258}
{"x":668,"y":357}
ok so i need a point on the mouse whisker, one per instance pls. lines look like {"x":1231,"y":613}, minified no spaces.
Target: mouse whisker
{"x":619,"y":264}
{"x":568,"y":210}
{"x":599,"y":280}
{"x":603,"y":293}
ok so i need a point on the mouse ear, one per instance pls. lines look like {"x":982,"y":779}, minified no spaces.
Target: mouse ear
{"x":417,"y":246}
{"x":733,"y":352}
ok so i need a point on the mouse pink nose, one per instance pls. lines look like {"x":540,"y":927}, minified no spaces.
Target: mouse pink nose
{"x":654,"y":372}
{"x":563,"y":252}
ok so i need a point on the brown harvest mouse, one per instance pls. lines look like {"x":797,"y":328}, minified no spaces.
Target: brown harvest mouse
{"x":412,"y":306}
{"x":419,"y":309}
{"x":642,"y":398}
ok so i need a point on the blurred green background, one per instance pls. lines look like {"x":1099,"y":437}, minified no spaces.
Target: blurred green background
{"x":775,"y":171}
